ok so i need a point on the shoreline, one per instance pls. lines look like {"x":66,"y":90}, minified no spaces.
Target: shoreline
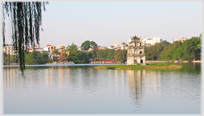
{"x":153,"y":61}
{"x":157,"y":66}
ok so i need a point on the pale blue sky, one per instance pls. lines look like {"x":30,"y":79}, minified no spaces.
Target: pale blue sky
{"x":115,"y":22}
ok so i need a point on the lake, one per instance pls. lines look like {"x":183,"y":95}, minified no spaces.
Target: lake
{"x":81,"y":89}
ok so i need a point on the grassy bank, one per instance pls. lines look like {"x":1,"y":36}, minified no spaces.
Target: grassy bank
{"x":150,"y":66}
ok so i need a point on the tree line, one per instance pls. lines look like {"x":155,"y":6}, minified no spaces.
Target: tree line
{"x":83,"y":57}
{"x":188,"y":50}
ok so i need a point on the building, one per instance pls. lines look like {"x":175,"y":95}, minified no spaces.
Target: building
{"x":61,"y":48}
{"x":182,"y":39}
{"x":49,"y":48}
{"x":149,"y":41}
{"x":35,"y":48}
{"x":135,"y":54}
{"x":58,"y":58}
{"x":111,"y":47}
{"x":123,"y":46}
{"x":9,"y":49}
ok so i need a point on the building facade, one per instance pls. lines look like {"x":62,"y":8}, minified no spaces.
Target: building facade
{"x":9,"y":49}
{"x":149,"y":41}
{"x":135,"y":53}
{"x":182,"y":39}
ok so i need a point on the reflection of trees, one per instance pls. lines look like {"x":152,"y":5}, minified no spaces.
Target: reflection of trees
{"x":136,"y":84}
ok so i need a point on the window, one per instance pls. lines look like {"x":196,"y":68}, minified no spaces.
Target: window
{"x":140,"y":44}
{"x":140,"y":52}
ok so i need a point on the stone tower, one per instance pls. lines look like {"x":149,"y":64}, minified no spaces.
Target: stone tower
{"x":135,"y":53}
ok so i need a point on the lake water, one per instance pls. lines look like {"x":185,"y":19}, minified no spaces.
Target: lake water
{"x":81,"y":89}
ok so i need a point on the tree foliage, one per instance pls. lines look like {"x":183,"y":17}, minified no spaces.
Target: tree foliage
{"x":110,"y":54}
{"x":77,"y":56}
{"x":188,"y":50}
{"x":26,"y":20}
{"x":87,"y":44}
{"x":120,"y":55}
{"x":56,"y":52}
{"x":102,"y":54}
{"x":36,"y":57}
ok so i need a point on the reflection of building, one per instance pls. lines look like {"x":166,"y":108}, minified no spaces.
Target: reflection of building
{"x":136,"y":83}
{"x":135,"y":54}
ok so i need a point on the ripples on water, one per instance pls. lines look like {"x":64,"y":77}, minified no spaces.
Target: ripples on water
{"x":85,"y":90}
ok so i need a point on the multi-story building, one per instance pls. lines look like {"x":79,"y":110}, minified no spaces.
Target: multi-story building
{"x":49,"y":48}
{"x":35,"y":48}
{"x":135,"y":54}
{"x":9,"y":49}
{"x":182,"y":39}
{"x":149,"y":41}
{"x":123,"y":46}
{"x":61,"y":48}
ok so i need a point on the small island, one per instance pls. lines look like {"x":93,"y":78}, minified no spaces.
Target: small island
{"x":148,"y":66}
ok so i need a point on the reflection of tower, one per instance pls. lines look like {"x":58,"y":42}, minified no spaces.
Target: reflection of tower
{"x":153,"y":83}
{"x":135,"y":81}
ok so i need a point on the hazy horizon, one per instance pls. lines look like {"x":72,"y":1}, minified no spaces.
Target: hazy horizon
{"x":115,"y":22}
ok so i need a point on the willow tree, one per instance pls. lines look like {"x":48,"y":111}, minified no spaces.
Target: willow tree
{"x":26,"y":21}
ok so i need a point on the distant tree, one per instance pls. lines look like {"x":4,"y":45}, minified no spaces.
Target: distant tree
{"x":92,"y":43}
{"x":102,"y":54}
{"x":56,"y":52}
{"x":165,"y":43}
{"x":190,"y":49}
{"x":110,"y":54}
{"x":120,"y":55}
{"x":72,"y":48}
{"x":77,"y":56}
{"x":13,"y":58}
{"x":87,"y":44}
{"x":153,"y":52}
{"x":36,"y":57}
{"x":94,"y":55}
{"x":167,"y":53}
{"x":178,"y":53}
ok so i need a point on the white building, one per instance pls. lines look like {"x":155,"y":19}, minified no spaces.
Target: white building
{"x":9,"y":49}
{"x":150,"y":40}
{"x":123,"y":46}
{"x":182,"y":39}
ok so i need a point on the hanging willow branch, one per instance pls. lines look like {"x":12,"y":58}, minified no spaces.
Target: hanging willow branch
{"x":26,"y":20}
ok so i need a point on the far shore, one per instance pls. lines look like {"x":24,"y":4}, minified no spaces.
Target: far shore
{"x":153,"y":61}
{"x":150,"y":66}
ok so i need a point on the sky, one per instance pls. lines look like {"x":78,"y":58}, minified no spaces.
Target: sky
{"x":112,"y":22}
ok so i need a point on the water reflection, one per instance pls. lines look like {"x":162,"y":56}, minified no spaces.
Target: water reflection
{"x":136,"y":84}
{"x":140,"y":88}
